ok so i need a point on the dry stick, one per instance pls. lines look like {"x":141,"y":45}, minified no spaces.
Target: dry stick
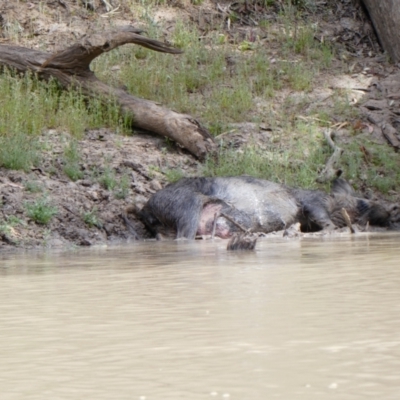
{"x":136,"y":167}
{"x":347,"y":220}
{"x":235,"y":223}
{"x":71,"y":211}
{"x":71,"y":68}
{"x":214,"y":225}
{"x":329,"y":172}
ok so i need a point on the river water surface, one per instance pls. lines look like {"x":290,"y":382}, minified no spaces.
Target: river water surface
{"x":296,"y":319}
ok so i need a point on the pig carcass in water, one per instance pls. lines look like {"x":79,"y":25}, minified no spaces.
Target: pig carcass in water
{"x":224,"y":206}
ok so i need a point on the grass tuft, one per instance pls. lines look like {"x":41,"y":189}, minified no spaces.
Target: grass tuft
{"x":17,"y":153}
{"x":91,"y":219}
{"x":71,"y":161}
{"x":41,"y":211}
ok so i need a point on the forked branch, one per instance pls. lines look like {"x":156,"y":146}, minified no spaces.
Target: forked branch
{"x":71,"y":67}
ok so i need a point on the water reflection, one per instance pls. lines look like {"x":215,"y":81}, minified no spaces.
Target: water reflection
{"x":297,"y":319}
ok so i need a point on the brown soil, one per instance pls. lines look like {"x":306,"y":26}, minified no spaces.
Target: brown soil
{"x":52,"y":25}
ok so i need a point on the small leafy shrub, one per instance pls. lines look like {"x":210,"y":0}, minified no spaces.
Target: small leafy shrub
{"x":71,"y":161}
{"x":107,"y":179}
{"x":122,"y":191}
{"x":17,"y":152}
{"x":33,"y":186}
{"x":91,"y":219}
{"x":174,"y":174}
{"x":13,"y":220}
{"x":41,"y":211}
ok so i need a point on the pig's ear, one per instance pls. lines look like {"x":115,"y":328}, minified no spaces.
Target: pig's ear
{"x":341,"y":186}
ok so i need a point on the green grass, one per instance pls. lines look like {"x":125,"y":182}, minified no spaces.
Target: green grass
{"x":123,"y":187}
{"x":13,"y":220}
{"x":6,"y":232}
{"x":33,"y":186}
{"x":91,"y":219}
{"x":297,"y":163}
{"x":376,"y":166}
{"x":71,"y":161}
{"x":174,"y":174}
{"x":120,"y":186}
{"x":41,"y":211}
{"x":7,"y":225}
{"x":108,"y":179}
{"x":19,"y":153}
{"x":29,"y":106}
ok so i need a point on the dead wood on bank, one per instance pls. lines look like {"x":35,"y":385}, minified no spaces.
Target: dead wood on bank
{"x":332,"y":165}
{"x":71,"y":68}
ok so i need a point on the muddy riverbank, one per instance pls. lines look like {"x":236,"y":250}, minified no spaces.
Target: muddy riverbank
{"x":117,"y":171}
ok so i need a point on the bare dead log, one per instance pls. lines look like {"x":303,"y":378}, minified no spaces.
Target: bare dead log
{"x":71,"y":68}
{"x":331,"y":167}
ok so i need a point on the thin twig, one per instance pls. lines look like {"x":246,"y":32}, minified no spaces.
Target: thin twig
{"x":347,"y":220}
{"x":235,"y":223}
{"x":214,"y":225}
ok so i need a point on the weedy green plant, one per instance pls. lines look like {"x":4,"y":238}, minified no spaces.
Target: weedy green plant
{"x":107,"y":178}
{"x":7,"y":227}
{"x":18,"y":153}
{"x":41,"y":211}
{"x":376,"y":165}
{"x":13,"y":220}
{"x":7,"y":233}
{"x":91,"y":218}
{"x":123,"y":186}
{"x":30,"y":106}
{"x":296,"y":163}
{"x":234,"y":103}
{"x":299,"y":37}
{"x":33,"y":186}
{"x":71,"y":161}
{"x":246,"y":46}
{"x":299,"y":76}
{"x":119,"y":186}
{"x":153,"y":171}
{"x":174,"y":174}
{"x":302,"y":40}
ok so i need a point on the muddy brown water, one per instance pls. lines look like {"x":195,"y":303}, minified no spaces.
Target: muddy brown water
{"x":314,"y":318}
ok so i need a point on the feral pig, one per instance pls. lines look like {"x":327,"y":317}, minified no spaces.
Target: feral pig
{"x":224,"y":206}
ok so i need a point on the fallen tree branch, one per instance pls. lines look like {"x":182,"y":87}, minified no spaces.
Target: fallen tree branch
{"x":331,"y":167}
{"x":71,"y":68}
